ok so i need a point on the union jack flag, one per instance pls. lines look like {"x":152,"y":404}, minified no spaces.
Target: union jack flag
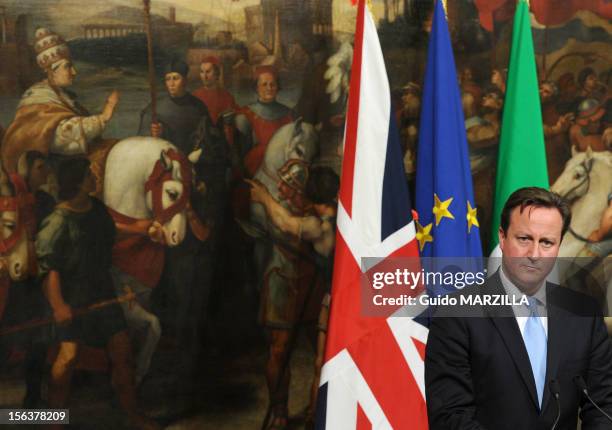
{"x":373,"y":376}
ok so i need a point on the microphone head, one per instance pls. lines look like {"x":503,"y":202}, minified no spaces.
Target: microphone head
{"x":579,"y":381}
{"x":555,"y":389}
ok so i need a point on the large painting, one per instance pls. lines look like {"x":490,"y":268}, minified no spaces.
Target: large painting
{"x":169,"y":180}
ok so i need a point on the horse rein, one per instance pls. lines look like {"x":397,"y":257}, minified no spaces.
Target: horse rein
{"x":587,"y":167}
{"x":579,"y":237}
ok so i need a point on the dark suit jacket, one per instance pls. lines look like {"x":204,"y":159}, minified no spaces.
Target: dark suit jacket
{"x":478,"y":374}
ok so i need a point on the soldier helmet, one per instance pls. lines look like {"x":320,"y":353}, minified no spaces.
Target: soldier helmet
{"x":589,"y":110}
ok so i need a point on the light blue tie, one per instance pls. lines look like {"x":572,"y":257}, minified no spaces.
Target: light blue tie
{"x":535,"y":342}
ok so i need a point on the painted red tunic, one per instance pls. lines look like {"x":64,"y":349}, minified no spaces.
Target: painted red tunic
{"x":263,"y":129}
{"x":217,"y":100}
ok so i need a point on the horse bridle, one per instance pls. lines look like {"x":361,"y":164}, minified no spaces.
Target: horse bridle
{"x":23,"y":204}
{"x":11,"y":204}
{"x":8,"y":244}
{"x":155,"y":184}
{"x":587,"y":167}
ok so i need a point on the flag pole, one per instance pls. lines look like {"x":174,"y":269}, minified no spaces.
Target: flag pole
{"x":152,"y":86}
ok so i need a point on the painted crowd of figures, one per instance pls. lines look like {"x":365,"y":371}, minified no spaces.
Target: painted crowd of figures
{"x":93,"y":229}
{"x":92,"y":226}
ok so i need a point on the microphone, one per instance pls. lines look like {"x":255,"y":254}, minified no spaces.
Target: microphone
{"x":579,"y":381}
{"x":555,"y":391}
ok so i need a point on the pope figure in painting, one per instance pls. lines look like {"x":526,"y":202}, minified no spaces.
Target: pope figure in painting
{"x":48,"y":118}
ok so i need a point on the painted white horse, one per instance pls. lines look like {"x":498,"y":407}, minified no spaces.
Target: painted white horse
{"x":146,"y":178}
{"x":585,"y":183}
{"x":14,"y":241}
{"x":294,"y":141}
{"x":129,"y":165}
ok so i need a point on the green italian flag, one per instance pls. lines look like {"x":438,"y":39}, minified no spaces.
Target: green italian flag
{"x":522,"y":155}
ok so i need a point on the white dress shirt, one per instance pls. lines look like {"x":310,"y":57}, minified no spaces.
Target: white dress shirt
{"x":521,"y":312}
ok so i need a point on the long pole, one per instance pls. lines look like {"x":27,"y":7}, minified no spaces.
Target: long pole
{"x":152,"y":86}
{"x":128,"y":297}
{"x":544,"y":53}
{"x":3,"y":11}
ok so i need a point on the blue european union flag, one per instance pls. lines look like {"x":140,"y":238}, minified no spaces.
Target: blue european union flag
{"x":448,"y":224}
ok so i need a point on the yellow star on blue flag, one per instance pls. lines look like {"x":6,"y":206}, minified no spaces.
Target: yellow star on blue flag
{"x":471,"y":217}
{"x":423,"y":234}
{"x":440,"y":209}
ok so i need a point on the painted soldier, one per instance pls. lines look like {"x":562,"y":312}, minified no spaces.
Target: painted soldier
{"x":259,"y":121}
{"x":48,"y":118}
{"x":589,"y":127}
{"x":318,"y":228}
{"x":590,"y":85}
{"x":74,"y":250}
{"x":290,"y":293}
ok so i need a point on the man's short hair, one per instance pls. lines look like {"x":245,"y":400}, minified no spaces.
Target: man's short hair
{"x":266,"y":69}
{"x":493,"y":89}
{"x":177,"y":66}
{"x":322,"y":185}
{"x":539,"y":198}
{"x":584,"y":74}
{"x":70,"y":175}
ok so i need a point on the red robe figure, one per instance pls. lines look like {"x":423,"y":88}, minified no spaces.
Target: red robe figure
{"x":217,"y":99}
{"x":221,"y":106}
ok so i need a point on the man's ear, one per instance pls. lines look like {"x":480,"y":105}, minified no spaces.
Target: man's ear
{"x":501,"y":236}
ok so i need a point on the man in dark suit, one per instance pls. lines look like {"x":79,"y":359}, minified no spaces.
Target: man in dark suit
{"x":498,"y":367}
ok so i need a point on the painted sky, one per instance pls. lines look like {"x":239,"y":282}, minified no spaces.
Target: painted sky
{"x":66,"y":15}
{"x":232,"y":10}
